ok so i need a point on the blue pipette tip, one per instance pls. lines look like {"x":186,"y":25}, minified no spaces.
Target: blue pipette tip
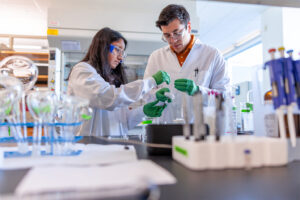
{"x":289,"y":51}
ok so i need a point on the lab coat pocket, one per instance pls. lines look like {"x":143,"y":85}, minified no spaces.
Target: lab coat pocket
{"x":200,"y":76}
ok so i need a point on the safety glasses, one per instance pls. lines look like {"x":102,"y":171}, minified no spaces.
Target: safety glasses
{"x":117,"y":51}
{"x":166,"y":37}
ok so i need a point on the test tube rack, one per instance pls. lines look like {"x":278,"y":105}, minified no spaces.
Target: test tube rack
{"x":228,"y":152}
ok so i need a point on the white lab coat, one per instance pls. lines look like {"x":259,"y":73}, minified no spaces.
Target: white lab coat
{"x":204,"y":65}
{"x":111,"y":115}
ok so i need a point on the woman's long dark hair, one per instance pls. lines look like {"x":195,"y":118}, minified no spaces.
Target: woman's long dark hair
{"x":97,"y":56}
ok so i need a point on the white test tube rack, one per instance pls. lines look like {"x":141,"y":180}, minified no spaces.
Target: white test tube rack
{"x":230,"y":152}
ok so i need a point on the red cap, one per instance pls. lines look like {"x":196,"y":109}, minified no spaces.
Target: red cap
{"x":272,"y":50}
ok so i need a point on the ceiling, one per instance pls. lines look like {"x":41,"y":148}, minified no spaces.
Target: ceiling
{"x":220,"y":24}
{"x":285,"y":3}
{"x":224,"y":24}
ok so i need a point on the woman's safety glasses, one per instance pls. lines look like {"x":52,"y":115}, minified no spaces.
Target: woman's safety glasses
{"x":117,"y":51}
{"x":166,"y":37}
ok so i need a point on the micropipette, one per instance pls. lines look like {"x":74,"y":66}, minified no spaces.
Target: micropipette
{"x":297,"y":80}
{"x":186,"y":126}
{"x":220,"y":116}
{"x":290,"y":92}
{"x":278,"y":93}
{"x":199,"y":129}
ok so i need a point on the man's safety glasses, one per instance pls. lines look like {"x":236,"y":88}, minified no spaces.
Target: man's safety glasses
{"x":166,"y":37}
{"x":117,"y":51}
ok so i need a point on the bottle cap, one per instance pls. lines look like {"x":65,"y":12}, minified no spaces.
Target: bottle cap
{"x":272,"y":50}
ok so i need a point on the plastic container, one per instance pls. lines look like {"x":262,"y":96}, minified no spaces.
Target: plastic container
{"x":247,"y":126}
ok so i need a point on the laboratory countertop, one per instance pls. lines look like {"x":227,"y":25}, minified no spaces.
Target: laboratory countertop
{"x":259,"y":183}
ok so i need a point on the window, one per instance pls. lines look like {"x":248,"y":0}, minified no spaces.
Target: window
{"x":241,"y":65}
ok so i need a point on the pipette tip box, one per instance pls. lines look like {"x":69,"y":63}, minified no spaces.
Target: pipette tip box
{"x":229,"y":152}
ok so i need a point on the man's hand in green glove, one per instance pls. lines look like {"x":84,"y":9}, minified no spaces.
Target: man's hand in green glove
{"x":186,"y":85}
{"x":161,"y":76}
{"x":151,"y":110}
{"x":160,"y":95}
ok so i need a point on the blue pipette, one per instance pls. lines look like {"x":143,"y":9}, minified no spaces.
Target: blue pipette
{"x":290,"y":92}
{"x":278,"y":93}
{"x":297,"y":79}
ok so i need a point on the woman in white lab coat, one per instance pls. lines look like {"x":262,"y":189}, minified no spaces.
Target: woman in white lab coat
{"x":100,"y":78}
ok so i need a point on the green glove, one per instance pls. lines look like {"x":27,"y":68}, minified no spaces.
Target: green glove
{"x":160,"y":95}
{"x":151,"y":110}
{"x":161,"y":76}
{"x":186,"y":85}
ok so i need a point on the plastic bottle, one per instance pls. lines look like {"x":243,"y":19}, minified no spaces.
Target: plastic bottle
{"x":231,"y":115}
{"x":233,"y":124}
{"x":250,"y":117}
{"x":247,"y":118}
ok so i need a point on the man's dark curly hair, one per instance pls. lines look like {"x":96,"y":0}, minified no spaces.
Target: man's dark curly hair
{"x":171,"y":12}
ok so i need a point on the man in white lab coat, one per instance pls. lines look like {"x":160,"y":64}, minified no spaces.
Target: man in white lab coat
{"x":192,"y":65}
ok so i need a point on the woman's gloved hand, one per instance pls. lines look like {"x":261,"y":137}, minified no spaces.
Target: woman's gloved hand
{"x":151,"y":110}
{"x":160,"y":95}
{"x":186,"y":85}
{"x":161,"y":76}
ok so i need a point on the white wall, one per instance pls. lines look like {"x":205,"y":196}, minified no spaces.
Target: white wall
{"x":291,"y":29}
{"x":23,"y":17}
{"x":134,"y":18}
{"x":272,"y":33}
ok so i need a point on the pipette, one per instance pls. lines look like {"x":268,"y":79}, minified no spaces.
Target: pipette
{"x":290,"y":91}
{"x":278,"y":93}
{"x":186,"y":126}
{"x":199,"y":129}
{"x":220,"y":116}
{"x":297,"y":79}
